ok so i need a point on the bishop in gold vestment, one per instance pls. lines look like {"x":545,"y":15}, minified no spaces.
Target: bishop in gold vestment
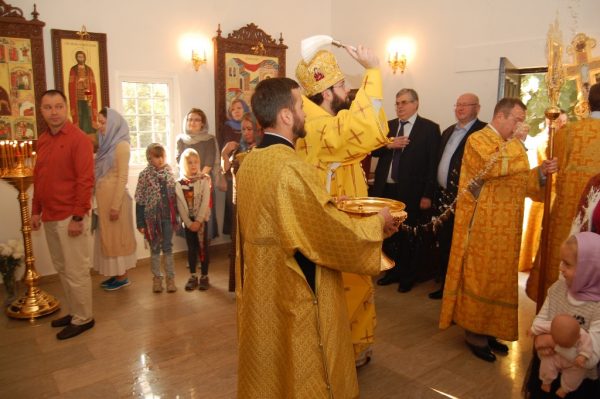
{"x":481,"y":291}
{"x":336,"y":144}
{"x":577,"y":147}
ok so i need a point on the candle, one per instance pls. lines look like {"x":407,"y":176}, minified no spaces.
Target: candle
{"x":3,"y":155}
{"x":13,"y":148}
{"x":29,"y":149}
{"x":8,"y":154}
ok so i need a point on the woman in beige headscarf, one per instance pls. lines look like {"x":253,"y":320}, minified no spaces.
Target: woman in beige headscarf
{"x":114,"y":249}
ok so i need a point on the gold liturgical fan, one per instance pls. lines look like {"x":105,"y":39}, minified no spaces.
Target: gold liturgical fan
{"x":369,"y":206}
{"x":18,"y":159}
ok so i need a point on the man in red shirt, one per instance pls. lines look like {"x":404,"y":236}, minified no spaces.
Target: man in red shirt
{"x":63,"y":183}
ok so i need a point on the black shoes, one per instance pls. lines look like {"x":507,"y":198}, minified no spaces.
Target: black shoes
{"x":192,"y":283}
{"x":203,"y":283}
{"x":73,"y":330}
{"x":404,"y":287}
{"x":436,"y":294}
{"x":386,"y":280}
{"x":62,"y":321}
{"x":484,"y":353}
{"x":497,"y":346}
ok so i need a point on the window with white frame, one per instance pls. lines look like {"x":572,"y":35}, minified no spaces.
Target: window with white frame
{"x":147,"y":108}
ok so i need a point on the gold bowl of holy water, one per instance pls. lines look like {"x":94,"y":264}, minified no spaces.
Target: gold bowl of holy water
{"x":369,"y":206}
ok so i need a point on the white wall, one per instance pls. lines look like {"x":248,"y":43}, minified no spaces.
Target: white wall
{"x":143,"y":36}
{"x":459,"y":44}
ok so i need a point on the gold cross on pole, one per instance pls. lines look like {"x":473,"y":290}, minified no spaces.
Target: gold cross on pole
{"x":585,"y":70}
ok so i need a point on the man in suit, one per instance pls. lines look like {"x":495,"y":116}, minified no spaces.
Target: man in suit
{"x":452,"y":147}
{"x":406,"y":172}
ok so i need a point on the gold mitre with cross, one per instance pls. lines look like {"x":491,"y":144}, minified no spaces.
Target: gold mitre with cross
{"x":319,"y":74}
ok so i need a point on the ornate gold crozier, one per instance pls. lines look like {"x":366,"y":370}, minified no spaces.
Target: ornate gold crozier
{"x":18,"y":160}
{"x":555,"y":78}
{"x":369,"y":206}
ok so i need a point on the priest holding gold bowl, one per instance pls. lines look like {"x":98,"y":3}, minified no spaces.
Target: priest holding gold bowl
{"x":294,"y":243}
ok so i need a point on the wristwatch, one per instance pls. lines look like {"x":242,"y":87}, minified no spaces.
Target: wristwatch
{"x":77,"y":218}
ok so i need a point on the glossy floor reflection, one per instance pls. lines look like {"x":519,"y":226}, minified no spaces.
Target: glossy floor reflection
{"x":184,"y":345}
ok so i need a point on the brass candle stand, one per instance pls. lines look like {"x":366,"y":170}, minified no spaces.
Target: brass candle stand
{"x":18,"y":160}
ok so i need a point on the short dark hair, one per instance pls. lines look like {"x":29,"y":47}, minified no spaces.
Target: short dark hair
{"x":104,"y":112}
{"x":594,"y":97}
{"x":271,"y":96}
{"x":507,"y":104}
{"x":318,"y":97}
{"x":52,"y":93}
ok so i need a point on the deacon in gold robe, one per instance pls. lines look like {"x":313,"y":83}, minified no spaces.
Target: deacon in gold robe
{"x":339,"y":135}
{"x":481,"y":291}
{"x":294,"y":340}
{"x":577,"y":147}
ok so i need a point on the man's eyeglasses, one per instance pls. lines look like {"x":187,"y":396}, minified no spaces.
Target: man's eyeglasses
{"x":404,"y":102}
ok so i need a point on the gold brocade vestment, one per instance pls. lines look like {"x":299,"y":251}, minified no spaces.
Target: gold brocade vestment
{"x":336,"y":145}
{"x":293,"y":342}
{"x":577,"y":149}
{"x":481,"y":291}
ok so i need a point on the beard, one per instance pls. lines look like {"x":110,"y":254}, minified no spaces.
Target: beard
{"x":298,"y":128}
{"x":338,"y":104}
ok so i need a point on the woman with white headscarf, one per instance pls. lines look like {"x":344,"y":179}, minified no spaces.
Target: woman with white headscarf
{"x":114,"y":245}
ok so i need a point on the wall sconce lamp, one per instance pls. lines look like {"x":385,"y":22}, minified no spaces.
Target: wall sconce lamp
{"x":198,"y":61}
{"x":397,"y":61}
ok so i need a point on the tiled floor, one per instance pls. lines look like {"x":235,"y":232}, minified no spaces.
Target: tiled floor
{"x":183,"y":345}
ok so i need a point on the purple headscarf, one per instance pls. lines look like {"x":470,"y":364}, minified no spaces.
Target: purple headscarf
{"x":586,"y":282}
{"x":116,"y":131}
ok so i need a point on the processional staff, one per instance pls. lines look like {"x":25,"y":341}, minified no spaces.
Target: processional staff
{"x":554,"y":80}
